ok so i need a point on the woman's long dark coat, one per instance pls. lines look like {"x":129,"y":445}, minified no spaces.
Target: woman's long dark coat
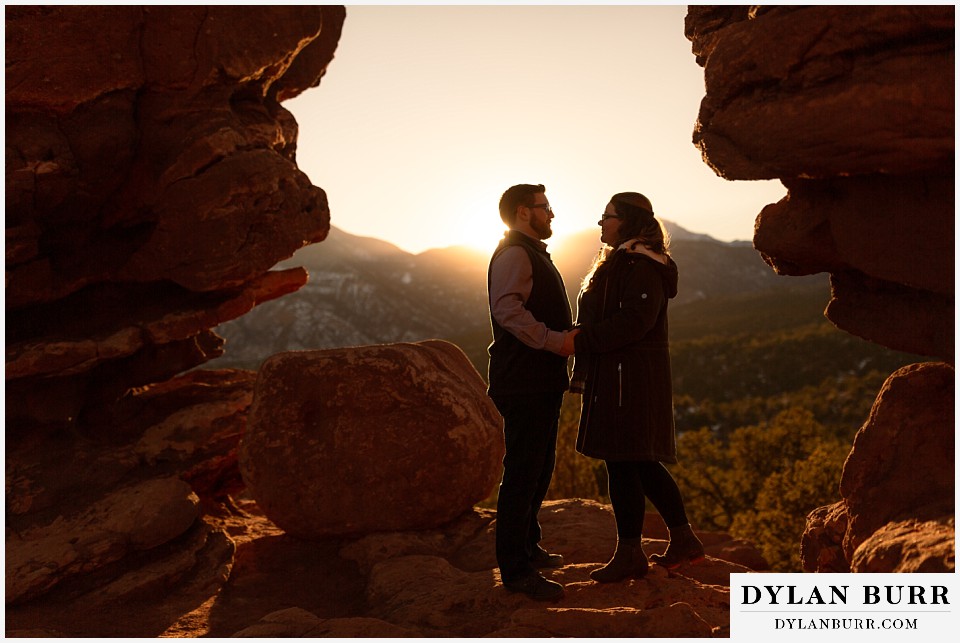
{"x":623,"y":352}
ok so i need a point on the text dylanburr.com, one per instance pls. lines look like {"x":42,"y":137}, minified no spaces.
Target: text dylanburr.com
{"x":833,"y":607}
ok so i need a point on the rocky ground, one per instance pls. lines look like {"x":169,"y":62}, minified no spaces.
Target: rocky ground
{"x":441,"y":582}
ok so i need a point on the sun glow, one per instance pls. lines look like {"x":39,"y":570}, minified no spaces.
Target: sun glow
{"x":478,"y":226}
{"x":416,"y":148}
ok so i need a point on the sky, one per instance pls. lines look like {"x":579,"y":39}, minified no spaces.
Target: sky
{"x":428,"y":113}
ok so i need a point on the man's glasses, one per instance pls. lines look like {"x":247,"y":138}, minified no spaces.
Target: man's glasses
{"x":605,"y":216}
{"x":545,"y":206}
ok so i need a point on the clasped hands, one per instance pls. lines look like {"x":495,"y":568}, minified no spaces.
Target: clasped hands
{"x":568,"y":347}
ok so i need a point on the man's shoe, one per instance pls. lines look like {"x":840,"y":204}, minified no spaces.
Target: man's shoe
{"x":536,"y":587}
{"x":542,"y":559}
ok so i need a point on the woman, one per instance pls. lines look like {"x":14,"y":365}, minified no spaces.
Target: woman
{"x":623,"y":371}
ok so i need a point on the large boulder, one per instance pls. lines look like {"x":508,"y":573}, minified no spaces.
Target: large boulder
{"x":886,"y":507}
{"x":911,"y":426}
{"x":373,"y":438}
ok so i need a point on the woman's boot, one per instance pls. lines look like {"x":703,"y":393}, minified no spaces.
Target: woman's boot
{"x":684,"y":547}
{"x":628,"y":561}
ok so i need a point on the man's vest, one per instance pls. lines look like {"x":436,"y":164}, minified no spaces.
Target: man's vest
{"x":515,"y":368}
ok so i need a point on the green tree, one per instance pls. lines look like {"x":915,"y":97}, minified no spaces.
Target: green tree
{"x":704,"y":476}
{"x":762,"y":481}
{"x":785,"y":500}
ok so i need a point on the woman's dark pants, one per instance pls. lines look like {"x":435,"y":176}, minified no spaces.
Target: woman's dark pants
{"x":631,"y":483}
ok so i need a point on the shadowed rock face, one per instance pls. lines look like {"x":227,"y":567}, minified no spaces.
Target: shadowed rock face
{"x":151,"y":183}
{"x":852,"y":108}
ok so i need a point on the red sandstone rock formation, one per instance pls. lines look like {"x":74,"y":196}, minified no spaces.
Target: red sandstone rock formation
{"x":374,"y":438}
{"x":853,"y":109}
{"x":114,"y":517}
{"x":138,"y":518}
{"x":891,"y":519}
{"x":151,"y":184}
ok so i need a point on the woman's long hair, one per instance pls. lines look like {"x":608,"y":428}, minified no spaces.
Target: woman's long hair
{"x":636,"y":222}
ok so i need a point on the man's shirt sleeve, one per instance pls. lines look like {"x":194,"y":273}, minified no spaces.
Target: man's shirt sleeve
{"x":511,"y":280}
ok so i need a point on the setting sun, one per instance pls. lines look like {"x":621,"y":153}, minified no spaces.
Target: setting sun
{"x":475,"y":220}
{"x":477,"y":225}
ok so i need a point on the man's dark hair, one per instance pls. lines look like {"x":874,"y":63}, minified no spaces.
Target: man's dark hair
{"x":516,"y":196}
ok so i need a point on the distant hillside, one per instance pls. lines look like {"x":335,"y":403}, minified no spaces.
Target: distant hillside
{"x":367,"y":291}
{"x":361,"y":291}
{"x":341,"y":248}
{"x":772,"y":310}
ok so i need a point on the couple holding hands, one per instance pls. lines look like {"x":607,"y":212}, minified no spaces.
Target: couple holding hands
{"x":621,"y":369}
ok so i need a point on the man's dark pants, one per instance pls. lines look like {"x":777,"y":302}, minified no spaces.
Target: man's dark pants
{"x":530,"y":434}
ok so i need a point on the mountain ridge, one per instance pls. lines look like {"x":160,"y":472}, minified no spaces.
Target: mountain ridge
{"x":363,"y":290}
{"x":384,"y":247}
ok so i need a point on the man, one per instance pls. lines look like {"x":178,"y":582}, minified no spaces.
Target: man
{"x":530,"y":316}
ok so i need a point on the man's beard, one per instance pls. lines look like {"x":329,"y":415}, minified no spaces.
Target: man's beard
{"x":543,"y":230}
